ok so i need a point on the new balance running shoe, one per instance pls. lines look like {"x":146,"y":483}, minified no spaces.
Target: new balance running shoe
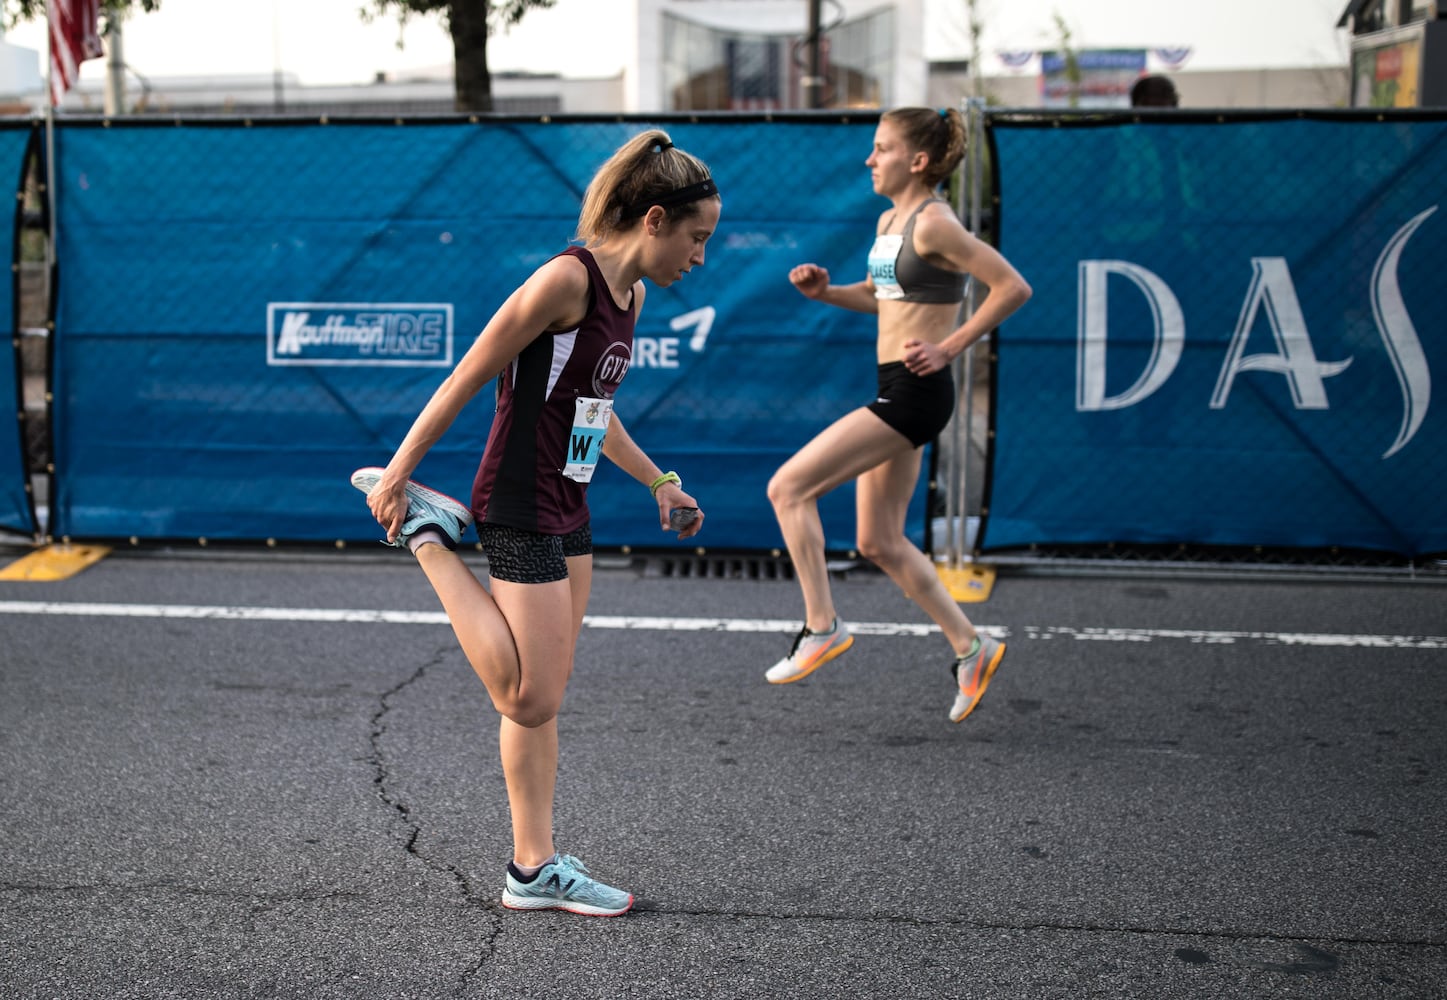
{"x":425,"y":508}
{"x":811,"y":651}
{"x":564,"y":884}
{"x":973,"y":672}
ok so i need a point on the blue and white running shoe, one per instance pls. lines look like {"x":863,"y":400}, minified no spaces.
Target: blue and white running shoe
{"x":563,"y":884}
{"x":425,"y":508}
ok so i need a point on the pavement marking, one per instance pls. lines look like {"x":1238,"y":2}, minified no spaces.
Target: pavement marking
{"x":220,"y":612}
{"x":54,"y":562}
{"x":672,"y":624}
{"x":791,"y":625}
{"x":1211,"y":636}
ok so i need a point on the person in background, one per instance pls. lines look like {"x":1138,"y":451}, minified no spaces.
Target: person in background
{"x":1154,"y":91}
{"x":559,"y":347}
{"x":918,"y":270}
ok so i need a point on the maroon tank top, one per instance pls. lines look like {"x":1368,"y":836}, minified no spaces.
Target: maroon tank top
{"x":548,"y":399}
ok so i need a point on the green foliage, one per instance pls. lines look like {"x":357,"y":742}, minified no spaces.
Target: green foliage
{"x":24,"y":11}
{"x":977,"y":30}
{"x":499,"y":13}
{"x":1072,"y":59}
{"x":469,"y":22}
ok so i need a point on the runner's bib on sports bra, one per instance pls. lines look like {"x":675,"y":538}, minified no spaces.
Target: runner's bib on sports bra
{"x":882,"y":258}
{"x":585,"y":443}
{"x":901,"y":275}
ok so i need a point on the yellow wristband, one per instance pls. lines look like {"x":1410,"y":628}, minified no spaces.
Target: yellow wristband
{"x":667,"y":477}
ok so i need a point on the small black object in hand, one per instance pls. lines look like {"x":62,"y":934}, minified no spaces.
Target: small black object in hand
{"x":681,"y":517}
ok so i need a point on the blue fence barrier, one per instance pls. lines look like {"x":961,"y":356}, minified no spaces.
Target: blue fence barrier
{"x":248,"y":312}
{"x":1231,"y":341}
{"x":1233,"y":333}
{"x":15,"y":507}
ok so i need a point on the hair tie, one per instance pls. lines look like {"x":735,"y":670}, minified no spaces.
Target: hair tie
{"x":665,"y":145}
{"x":944,"y":112}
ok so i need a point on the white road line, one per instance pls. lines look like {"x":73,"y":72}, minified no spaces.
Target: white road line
{"x":671,"y":624}
{"x":1207,"y":636}
{"x":748,"y":625}
{"x":220,"y":612}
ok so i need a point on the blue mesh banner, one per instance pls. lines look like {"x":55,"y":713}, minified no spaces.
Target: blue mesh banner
{"x":15,"y":509}
{"x":216,"y":378}
{"x":1233,"y":337}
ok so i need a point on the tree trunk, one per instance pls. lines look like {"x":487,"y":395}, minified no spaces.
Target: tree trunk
{"x":473,"y":82}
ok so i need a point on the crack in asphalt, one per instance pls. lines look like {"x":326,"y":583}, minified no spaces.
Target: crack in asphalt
{"x":403,"y":812}
{"x":645,"y":908}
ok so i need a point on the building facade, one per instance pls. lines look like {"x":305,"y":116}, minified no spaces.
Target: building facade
{"x":732,"y":55}
{"x":757,"y":55}
{"x":1399,"y":53}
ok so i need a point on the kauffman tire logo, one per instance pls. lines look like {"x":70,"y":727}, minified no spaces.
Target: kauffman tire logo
{"x":372,"y":334}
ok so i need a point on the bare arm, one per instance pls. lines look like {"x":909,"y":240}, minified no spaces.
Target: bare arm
{"x":624,"y":452}
{"x":553,"y":296}
{"x":939,"y":235}
{"x":813,"y":282}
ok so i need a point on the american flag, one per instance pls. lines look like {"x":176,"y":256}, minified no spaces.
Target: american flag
{"x":74,"y":38}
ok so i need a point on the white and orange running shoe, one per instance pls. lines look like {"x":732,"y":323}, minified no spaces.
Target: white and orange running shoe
{"x":973,"y":672}
{"x":811,"y":651}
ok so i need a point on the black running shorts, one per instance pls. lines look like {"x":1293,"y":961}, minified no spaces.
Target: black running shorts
{"x":918,"y":406}
{"x":519,"y":556}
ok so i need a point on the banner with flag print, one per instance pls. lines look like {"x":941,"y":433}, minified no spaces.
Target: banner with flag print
{"x":1173,"y":58}
{"x":74,"y":37}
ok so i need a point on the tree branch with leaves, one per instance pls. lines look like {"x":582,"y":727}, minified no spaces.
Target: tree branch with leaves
{"x":25,"y":11}
{"x":470,"y":23}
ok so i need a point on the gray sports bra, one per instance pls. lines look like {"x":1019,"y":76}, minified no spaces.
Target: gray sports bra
{"x":901,"y":275}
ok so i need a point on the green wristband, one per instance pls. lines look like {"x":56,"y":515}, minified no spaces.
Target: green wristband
{"x":667,"y":477}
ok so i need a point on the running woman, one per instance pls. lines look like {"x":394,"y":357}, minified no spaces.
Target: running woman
{"x":918,"y":272}
{"x":559,"y":347}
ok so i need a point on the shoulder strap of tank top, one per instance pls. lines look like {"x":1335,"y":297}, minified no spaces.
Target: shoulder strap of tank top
{"x":602,"y":295}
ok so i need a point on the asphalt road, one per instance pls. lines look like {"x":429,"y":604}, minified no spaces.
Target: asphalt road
{"x":278,"y":778}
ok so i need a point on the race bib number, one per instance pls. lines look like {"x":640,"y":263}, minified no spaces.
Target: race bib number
{"x":883,"y":258}
{"x":585,"y":443}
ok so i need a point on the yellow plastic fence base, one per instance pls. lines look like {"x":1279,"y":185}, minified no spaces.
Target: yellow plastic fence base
{"x":968,"y":584}
{"x":54,"y":562}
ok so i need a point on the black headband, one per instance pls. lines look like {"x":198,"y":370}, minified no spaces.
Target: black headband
{"x":694,"y":192}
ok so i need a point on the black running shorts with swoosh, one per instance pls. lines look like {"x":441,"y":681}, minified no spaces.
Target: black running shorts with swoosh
{"x":529,"y":557}
{"x":918,"y":406}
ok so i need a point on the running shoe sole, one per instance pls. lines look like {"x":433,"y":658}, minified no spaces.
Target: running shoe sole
{"x":534,"y":903}
{"x":366,"y":479}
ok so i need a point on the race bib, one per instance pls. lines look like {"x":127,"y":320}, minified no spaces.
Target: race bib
{"x":883,"y":257}
{"x":585,"y":442}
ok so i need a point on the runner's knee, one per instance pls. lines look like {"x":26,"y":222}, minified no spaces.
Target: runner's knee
{"x":786,"y":490}
{"x":870,"y":549}
{"x":530,"y":710}
{"x":884,"y":550}
{"x":776,"y":490}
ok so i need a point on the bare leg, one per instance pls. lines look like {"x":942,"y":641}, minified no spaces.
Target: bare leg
{"x":482,"y":631}
{"x":530,"y":755}
{"x":882,"y":504}
{"x":850,"y":446}
{"x":530,"y":767}
{"x":523,"y":653}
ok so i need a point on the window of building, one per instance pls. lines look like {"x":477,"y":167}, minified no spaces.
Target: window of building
{"x":711,"y":69}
